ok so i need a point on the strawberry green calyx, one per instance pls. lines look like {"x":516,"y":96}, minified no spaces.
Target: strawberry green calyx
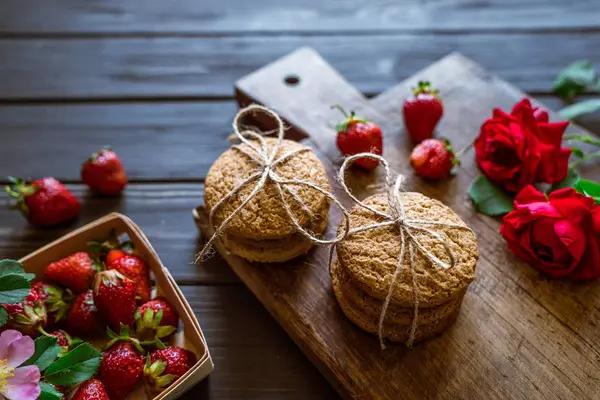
{"x":94,"y":157}
{"x":108,"y":278}
{"x":448,"y":145}
{"x":58,"y":301}
{"x":154,"y":373}
{"x":424,"y":87}
{"x":342,"y":126}
{"x":31,"y":319}
{"x":20,"y":189}
{"x":148,"y":325}
{"x":124,"y":336}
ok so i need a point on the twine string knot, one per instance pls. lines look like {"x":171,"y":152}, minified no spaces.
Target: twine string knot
{"x":257,"y":150}
{"x":407,"y":229}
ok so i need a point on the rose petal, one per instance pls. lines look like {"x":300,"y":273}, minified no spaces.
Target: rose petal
{"x":589,"y":267}
{"x":572,"y":236}
{"x":552,"y":133}
{"x":530,"y":194}
{"x":6,"y":338}
{"x":24,"y":384}
{"x":554,"y":166}
{"x":20,"y":351}
{"x":521,"y":107}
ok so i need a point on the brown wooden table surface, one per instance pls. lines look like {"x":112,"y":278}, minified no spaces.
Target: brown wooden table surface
{"x":155,"y":81}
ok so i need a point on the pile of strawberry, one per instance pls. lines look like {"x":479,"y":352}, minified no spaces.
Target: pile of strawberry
{"x":431,"y":158}
{"x":106,"y":293}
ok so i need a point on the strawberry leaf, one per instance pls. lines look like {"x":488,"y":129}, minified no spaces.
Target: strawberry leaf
{"x":49,"y":392}
{"x":489,"y":199}
{"x":46,"y":350}
{"x":3,"y":316}
{"x":79,"y":365}
{"x":588,"y":188}
{"x":13,"y":288}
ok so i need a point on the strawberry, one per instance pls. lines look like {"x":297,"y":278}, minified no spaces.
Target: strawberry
{"x":540,"y":114}
{"x":156,"y":319}
{"x":75,"y":271}
{"x":422,"y":112}
{"x":91,"y":389}
{"x":65,"y":341}
{"x":433,"y":159}
{"x":121,"y":257}
{"x":57,"y":301}
{"x":134,"y":268}
{"x":29,"y":317}
{"x":103,"y":172}
{"x":120,"y":369}
{"x":165,"y":366}
{"x":44,"y":202}
{"x":356,"y":135}
{"x":83,"y":319}
{"x":114,"y":295}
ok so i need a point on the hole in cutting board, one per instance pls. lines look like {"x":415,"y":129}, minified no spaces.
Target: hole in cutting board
{"x":292,"y":80}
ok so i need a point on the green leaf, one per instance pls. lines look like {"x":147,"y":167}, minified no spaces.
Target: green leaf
{"x":12,"y":267}
{"x":588,"y":188}
{"x":577,"y":152}
{"x":581,"y":108}
{"x":570,"y":180}
{"x":489,"y":199}
{"x":13,"y":288}
{"x":575,"y":79}
{"x":79,"y":365}
{"x":49,"y":392}
{"x":3,"y":316}
{"x":46,"y":351}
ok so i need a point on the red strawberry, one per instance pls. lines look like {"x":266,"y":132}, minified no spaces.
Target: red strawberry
{"x":29,"y":317}
{"x":114,"y":295}
{"x":75,"y":271}
{"x":165,"y":366}
{"x":156,"y":319}
{"x":540,"y":114}
{"x":57,"y":301}
{"x":92,"y":389}
{"x":134,"y":268}
{"x":433,"y":159}
{"x":65,"y":341}
{"x":120,"y":369}
{"x":83,"y":318}
{"x":45,"y":202}
{"x":422,"y":112}
{"x":103,"y":172}
{"x":356,"y":135}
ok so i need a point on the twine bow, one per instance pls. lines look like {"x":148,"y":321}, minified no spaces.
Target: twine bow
{"x":257,"y":151}
{"x":406,"y":227}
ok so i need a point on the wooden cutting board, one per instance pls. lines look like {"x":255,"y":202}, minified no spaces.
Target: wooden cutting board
{"x":519,"y":335}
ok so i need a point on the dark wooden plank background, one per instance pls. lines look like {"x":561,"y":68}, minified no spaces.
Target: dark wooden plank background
{"x":155,"y":81}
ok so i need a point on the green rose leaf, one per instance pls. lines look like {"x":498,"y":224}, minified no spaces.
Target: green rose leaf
{"x":79,"y":365}
{"x":489,"y":199}
{"x":588,"y":188}
{"x":49,"y":392}
{"x":570,"y":180}
{"x":3,"y":316}
{"x":575,"y":79}
{"x":46,"y":351}
{"x":581,"y":108}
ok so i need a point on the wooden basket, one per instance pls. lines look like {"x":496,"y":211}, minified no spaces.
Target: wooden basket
{"x":190,"y":337}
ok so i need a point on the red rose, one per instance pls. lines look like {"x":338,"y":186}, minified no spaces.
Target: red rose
{"x":515,"y":150}
{"x":558,"y":235}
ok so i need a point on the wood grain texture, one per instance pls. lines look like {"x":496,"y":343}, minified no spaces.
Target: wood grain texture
{"x":519,"y":334}
{"x":254,"y":358}
{"x":156,"y":141}
{"x":209,"y":17}
{"x":176,"y":67}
